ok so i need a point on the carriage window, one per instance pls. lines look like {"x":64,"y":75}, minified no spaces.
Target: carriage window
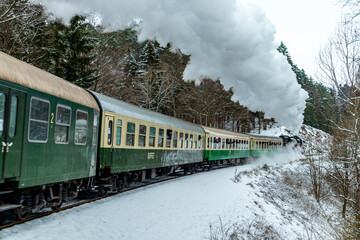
{"x":186,"y":140}
{"x":152,"y":137}
{"x":168,"y":137}
{"x":13,"y":116}
{"x":200,"y":141}
{"x":181,"y":141}
{"x":130,"y":134}
{"x":81,"y":127}
{"x":175,"y":139}
{"x":161,"y":138}
{"x":110,"y":132}
{"x":62,"y":124}
{"x":208,"y":143}
{"x":2,"y":112}
{"x":39,"y":120}
{"x":191,"y":141}
{"x":142,"y":136}
{"x":195,"y":141}
{"x":95,"y":129}
{"x":118,"y":132}
{"x":211,"y":142}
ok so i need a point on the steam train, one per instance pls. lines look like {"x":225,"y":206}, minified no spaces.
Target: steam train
{"x":57,"y":139}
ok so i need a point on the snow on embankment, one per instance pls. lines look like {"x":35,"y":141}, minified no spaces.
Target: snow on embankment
{"x":280,"y":204}
{"x":316,"y":141}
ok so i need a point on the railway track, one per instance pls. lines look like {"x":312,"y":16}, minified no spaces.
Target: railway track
{"x":83,"y":202}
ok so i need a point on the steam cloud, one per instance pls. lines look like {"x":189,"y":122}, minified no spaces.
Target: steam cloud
{"x":226,"y":39}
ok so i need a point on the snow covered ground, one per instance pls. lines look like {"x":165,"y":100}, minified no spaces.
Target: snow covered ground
{"x":252,"y":201}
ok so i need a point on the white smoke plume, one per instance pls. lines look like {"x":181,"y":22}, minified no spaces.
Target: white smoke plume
{"x":226,"y":39}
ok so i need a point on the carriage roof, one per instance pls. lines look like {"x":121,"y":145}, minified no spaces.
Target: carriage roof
{"x":120,"y":107}
{"x":24,"y":74}
{"x":224,"y":133}
{"x":265,"y":138}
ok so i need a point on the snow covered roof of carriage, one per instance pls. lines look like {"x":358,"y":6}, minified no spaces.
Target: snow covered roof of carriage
{"x":224,"y":133}
{"x":261,"y":137}
{"x":120,"y":107}
{"x":24,"y":74}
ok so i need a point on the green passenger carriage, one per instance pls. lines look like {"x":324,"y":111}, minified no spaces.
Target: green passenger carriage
{"x":48,"y":137}
{"x":223,"y":145}
{"x":265,"y":145}
{"x":135,"y":139}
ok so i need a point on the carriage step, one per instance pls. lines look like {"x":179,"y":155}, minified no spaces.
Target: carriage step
{"x":106,"y":185}
{"x":6,"y":207}
{"x":6,"y":192}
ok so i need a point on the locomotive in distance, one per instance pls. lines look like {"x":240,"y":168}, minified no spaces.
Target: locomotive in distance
{"x":57,"y":139}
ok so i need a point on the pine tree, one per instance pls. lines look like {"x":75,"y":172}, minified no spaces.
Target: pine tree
{"x":79,"y":56}
{"x":321,"y":107}
{"x":72,"y":51}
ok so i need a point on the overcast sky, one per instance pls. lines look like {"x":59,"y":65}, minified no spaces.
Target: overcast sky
{"x":303,"y":25}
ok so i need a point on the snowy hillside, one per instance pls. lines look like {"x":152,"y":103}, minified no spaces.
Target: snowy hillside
{"x":267,"y":198}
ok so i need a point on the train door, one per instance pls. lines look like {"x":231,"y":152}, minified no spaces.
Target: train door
{"x":109,"y":139}
{"x":12,"y":114}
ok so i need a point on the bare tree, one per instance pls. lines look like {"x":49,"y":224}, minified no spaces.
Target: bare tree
{"x":352,"y":10}
{"x":339,"y":64}
{"x":23,"y":31}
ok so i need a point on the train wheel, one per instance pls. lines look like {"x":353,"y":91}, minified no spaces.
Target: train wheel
{"x":21,"y":213}
{"x":186,"y":170}
{"x":57,"y":207}
{"x":192,"y":168}
{"x":102,"y":191}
